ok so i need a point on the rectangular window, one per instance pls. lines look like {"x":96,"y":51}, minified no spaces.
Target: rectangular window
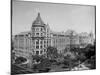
{"x":47,"y":45}
{"x":47,"y":42}
{"x":41,"y":46}
{"x":44,"y":46}
{"x":41,"y":52}
{"x":41,"y":29}
{"x":44,"y":41}
{"x":41,"y":41}
{"x":47,"y":35}
{"x":37,"y":34}
{"x":37,"y":47}
{"x":44,"y":50}
{"x":37,"y":42}
{"x":37,"y":52}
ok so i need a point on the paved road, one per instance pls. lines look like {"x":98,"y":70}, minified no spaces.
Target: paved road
{"x":19,"y":70}
{"x":56,"y":68}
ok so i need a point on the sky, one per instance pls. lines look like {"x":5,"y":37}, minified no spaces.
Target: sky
{"x":60,"y":17}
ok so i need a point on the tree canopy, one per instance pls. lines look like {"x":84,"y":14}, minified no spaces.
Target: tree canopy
{"x":20,"y":60}
{"x":52,"y":52}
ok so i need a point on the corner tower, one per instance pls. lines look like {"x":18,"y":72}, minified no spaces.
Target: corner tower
{"x":38,"y":36}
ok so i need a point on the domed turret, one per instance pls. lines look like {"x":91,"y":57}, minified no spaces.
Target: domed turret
{"x":38,"y":21}
{"x":38,"y":36}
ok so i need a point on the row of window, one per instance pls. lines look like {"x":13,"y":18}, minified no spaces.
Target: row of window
{"x":37,"y":46}
{"x":41,"y":42}
{"x":40,"y":52}
{"x":38,"y":34}
{"x":38,"y":29}
{"x":41,"y":46}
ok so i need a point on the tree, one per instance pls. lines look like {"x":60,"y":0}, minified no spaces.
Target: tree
{"x":37,"y":58}
{"x":82,"y":55}
{"x":90,"y":51}
{"x":69,"y":62}
{"x":86,"y":53}
{"x":52,"y":52}
{"x":43,"y":65}
{"x":20,"y":60}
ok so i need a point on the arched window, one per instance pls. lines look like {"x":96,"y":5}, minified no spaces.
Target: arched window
{"x":37,"y":29}
{"x":37,"y":34}
{"x":37,"y":42}
{"x":41,"y":29}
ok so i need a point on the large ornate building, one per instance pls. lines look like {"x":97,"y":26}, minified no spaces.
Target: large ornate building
{"x":36,"y":41}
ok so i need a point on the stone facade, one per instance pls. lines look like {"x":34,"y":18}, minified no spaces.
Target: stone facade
{"x":36,"y":41}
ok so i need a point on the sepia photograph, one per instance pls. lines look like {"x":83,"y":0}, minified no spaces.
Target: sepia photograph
{"x":52,"y":37}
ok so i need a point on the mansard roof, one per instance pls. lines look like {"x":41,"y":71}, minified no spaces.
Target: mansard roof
{"x":38,"y":21}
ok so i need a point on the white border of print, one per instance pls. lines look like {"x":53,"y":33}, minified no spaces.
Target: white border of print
{"x":5,"y":36}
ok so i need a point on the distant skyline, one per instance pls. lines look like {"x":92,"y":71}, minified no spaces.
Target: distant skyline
{"x":60,"y":17}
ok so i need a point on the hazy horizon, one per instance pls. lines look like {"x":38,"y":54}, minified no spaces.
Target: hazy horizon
{"x":60,"y":17}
